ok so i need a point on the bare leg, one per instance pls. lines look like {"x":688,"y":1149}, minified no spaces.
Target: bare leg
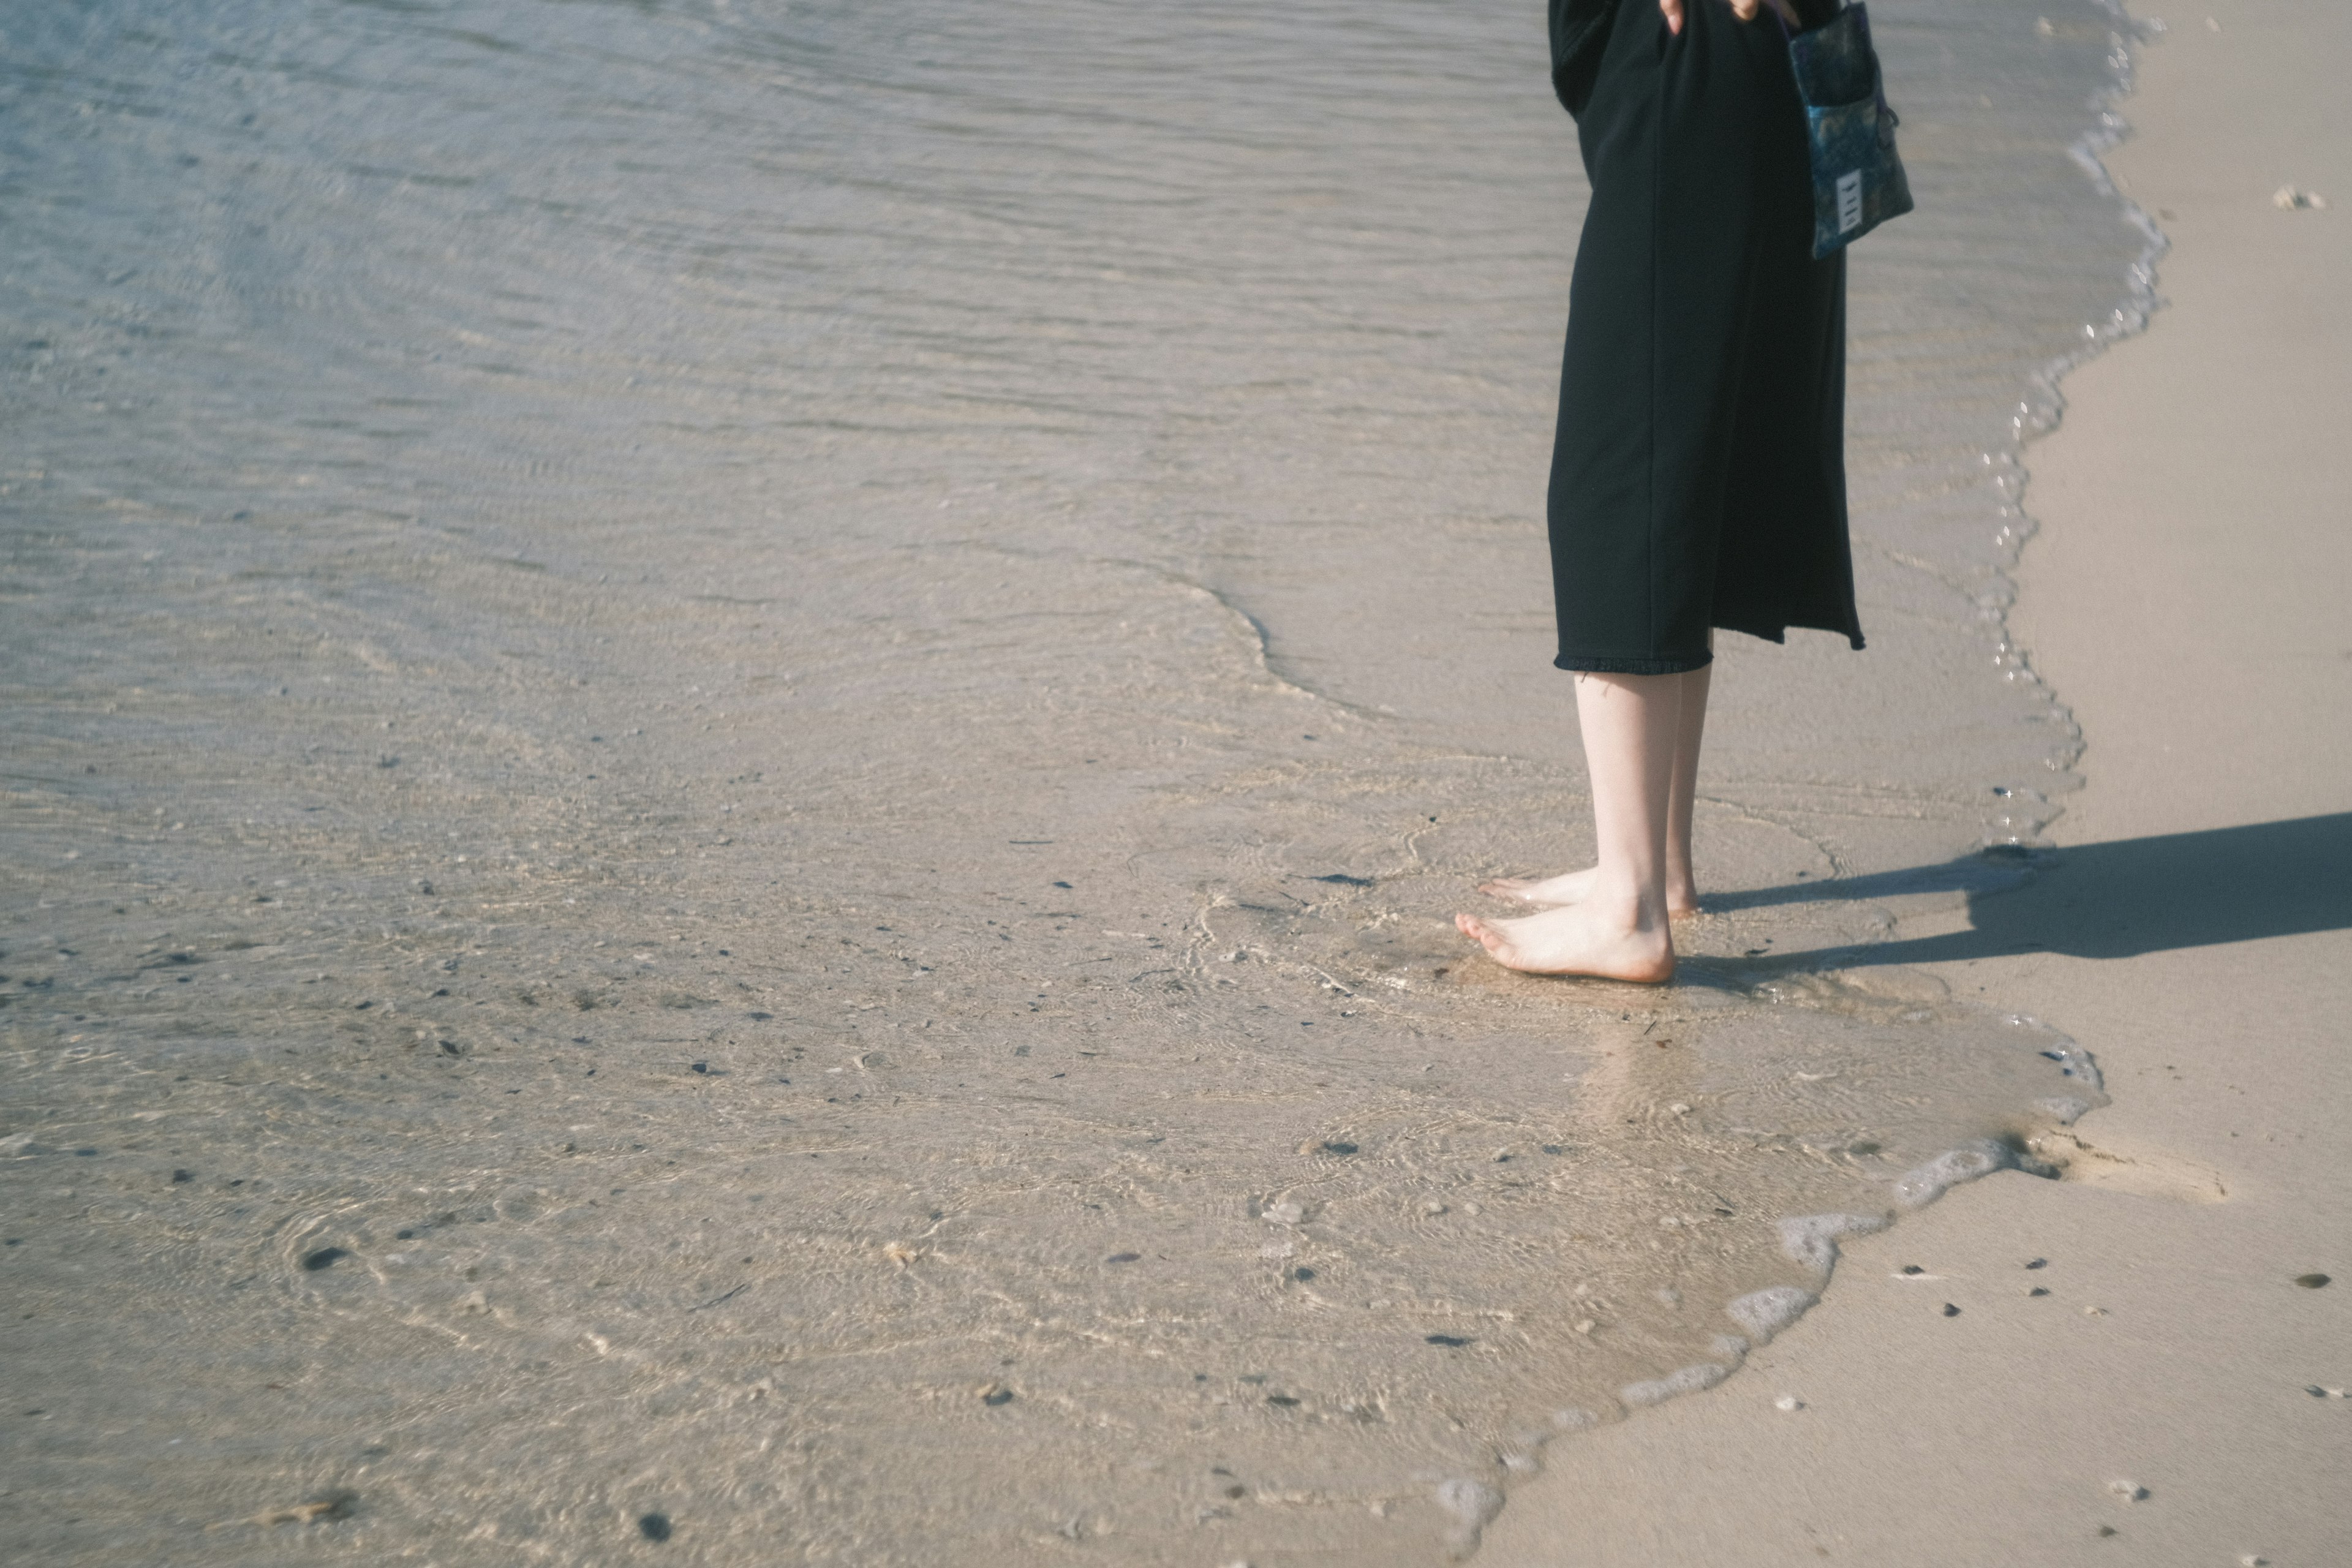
{"x":1619,"y":930}
{"x":1682,"y":890}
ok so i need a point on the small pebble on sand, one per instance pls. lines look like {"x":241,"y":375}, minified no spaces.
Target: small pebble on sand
{"x":2130,"y":1491}
{"x":2038,"y":1263}
{"x":2292,"y":198}
{"x":1950,"y":1310}
{"x":1787,"y":1401}
{"x":995,"y":1394}
{"x":654,"y":1526}
{"x":2311,"y":1282}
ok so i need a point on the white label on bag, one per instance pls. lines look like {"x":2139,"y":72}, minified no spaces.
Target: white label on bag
{"x":1849,"y":190}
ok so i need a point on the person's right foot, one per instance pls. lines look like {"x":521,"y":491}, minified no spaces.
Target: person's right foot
{"x":1568,"y":887}
{"x":1575,"y":940}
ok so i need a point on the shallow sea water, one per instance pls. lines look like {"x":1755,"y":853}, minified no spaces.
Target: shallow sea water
{"x":739,"y":738}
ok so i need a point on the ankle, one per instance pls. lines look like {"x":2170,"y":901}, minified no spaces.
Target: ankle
{"x":1631,"y":909}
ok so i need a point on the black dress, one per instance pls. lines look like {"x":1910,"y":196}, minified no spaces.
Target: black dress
{"x":1698,"y":477}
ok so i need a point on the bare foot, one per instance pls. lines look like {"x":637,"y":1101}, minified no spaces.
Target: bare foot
{"x":1568,"y":887}
{"x":1575,"y":940}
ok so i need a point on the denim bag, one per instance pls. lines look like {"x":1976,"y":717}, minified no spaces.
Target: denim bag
{"x":1858,"y":181}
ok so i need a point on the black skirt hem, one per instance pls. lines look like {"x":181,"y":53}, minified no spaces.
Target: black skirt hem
{"x":1604,"y":664}
{"x":1682,"y":664}
{"x":1779,"y":634}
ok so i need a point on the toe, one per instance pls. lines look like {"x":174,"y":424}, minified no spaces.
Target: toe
{"x":1482,"y":933}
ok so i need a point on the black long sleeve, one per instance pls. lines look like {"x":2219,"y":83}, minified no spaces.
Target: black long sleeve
{"x":1580,"y":32}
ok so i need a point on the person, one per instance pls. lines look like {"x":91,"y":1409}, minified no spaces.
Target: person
{"x":1698,"y":474}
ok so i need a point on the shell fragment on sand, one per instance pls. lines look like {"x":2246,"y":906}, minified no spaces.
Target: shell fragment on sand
{"x":324,"y":1509}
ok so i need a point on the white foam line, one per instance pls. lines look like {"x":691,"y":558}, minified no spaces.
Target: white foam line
{"x":1472,"y":1505}
{"x":2046,"y":405}
{"x":1812,"y":1240}
{"x":1762,"y":1314}
{"x":1918,"y":1187}
{"x":1692,"y":1379}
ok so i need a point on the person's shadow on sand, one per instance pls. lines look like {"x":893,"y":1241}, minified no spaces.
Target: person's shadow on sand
{"x":2116,"y":899}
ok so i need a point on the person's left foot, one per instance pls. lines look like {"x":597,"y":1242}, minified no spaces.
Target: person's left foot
{"x":1543,"y":892}
{"x":1569,"y":887}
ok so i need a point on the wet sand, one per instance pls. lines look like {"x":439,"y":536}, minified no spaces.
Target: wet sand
{"x":2176,"y":1398}
{"x":739,"y":738}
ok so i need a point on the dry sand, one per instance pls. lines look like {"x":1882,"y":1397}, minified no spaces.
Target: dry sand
{"x":2169,"y":1400}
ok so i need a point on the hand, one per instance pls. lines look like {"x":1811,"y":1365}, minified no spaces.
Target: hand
{"x":1745,"y":10}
